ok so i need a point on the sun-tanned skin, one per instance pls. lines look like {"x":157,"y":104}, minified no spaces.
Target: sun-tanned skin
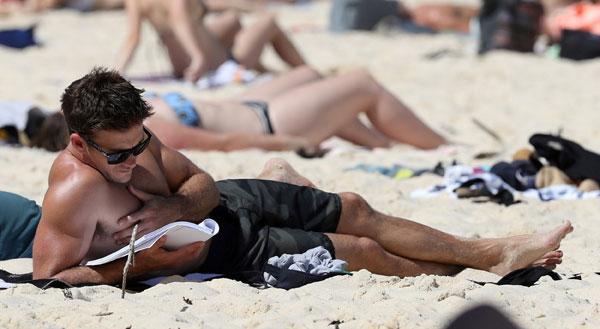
{"x":91,"y":206}
{"x":196,"y":47}
{"x":87,"y":204}
{"x":330,"y":107}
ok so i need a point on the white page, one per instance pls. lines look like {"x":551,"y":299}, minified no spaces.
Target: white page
{"x":178,"y":234}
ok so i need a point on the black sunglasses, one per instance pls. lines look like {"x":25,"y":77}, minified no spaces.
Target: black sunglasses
{"x":114,"y":158}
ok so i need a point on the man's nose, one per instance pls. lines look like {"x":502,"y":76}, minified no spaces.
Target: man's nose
{"x":131,"y":160}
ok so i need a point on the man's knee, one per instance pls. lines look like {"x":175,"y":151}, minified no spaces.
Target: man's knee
{"x":368,"y":247}
{"x":355,"y":204}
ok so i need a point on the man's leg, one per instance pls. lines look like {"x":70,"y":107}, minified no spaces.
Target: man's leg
{"x":277,"y":169}
{"x":366,"y":253}
{"x":408,"y":239}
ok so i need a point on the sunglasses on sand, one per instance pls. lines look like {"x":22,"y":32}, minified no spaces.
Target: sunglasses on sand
{"x":117,"y":157}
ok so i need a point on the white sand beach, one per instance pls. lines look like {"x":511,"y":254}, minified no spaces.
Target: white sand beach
{"x":514,"y":94}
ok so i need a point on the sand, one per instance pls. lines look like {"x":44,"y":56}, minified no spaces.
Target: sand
{"x":514,"y":94}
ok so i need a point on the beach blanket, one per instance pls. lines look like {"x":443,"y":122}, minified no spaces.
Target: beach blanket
{"x":465,"y":176}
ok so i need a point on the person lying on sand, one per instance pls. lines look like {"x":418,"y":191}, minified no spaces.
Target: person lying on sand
{"x":114,"y":174}
{"x":23,"y":123}
{"x":298,"y":109}
{"x":196,"y":47}
{"x":20,"y":216}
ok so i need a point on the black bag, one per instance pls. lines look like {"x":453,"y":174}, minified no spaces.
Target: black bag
{"x":509,"y":24}
{"x":579,"y":45}
{"x":359,"y":14}
{"x":575,"y":161}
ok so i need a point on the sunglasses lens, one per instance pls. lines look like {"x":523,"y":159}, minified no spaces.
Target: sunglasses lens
{"x":117,"y":158}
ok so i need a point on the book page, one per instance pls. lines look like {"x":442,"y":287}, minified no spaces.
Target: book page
{"x":178,"y":234}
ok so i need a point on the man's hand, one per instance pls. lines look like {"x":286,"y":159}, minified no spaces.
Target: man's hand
{"x":158,"y":259}
{"x":156,"y":212}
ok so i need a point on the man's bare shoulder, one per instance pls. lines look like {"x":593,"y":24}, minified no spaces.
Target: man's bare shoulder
{"x":72,"y":186}
{"x":73,"y":173}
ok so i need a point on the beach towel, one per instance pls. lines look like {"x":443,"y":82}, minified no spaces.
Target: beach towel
{"x":18,"y":38}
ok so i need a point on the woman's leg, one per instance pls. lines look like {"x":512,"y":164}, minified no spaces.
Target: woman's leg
{"x":330,"y":104}
{"x":224,"y":27}
{"x":251,"y":42}
{"x":266,"y":91}
{"x":358,"y":133}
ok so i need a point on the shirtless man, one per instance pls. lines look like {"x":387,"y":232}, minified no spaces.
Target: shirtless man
{"x":114,"y":174}
{"x":195,"y":47}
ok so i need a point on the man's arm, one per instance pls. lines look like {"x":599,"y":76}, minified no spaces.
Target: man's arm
{"x":134,"y":24}
{"x":65,"y":232}
{"x":154,"y":259}
{"x":194,"y":195}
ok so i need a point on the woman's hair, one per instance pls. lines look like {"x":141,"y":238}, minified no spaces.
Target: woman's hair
{"x":53,"y":134}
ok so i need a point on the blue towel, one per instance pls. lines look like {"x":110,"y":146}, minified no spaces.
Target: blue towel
{"x":18,"y":38}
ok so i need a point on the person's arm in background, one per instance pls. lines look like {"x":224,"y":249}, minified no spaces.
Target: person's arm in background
{"x":134,"y":26}
{"x":179,"y":136}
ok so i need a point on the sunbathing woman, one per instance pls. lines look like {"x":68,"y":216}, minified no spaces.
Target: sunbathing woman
{"x":295,"y":110}
{"x":196,"y":47}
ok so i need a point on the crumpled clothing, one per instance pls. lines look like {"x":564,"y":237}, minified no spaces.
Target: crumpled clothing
{"x":457,"y":176}
{"x":317,"y":261}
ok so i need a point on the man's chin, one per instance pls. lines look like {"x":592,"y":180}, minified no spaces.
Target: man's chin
{"x":121,"y":178}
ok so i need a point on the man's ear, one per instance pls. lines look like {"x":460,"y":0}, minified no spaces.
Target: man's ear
{"x":77,"y":142}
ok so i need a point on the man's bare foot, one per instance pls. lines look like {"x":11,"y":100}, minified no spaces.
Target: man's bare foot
{"x":280,"y":170}
{"x":539,"y":249}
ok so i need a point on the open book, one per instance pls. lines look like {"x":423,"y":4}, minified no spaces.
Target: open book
{"x":178,"y":235}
